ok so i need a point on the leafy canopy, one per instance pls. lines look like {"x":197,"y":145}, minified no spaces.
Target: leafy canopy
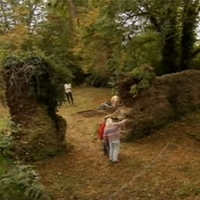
{"x":44,"y":78}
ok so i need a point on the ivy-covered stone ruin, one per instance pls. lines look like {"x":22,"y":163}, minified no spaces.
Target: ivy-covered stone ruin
{"x":34,"y":89}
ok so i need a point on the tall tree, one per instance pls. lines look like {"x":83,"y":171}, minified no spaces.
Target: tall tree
{"x":172,"y":26}
{"x":19,"y":21}
{"x":190,"y":16}
{"x":29,"y":26}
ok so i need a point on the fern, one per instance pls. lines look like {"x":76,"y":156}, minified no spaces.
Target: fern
{"x":21,"y":182}
{"x":6,"y":144}
{"x":17,"y":181}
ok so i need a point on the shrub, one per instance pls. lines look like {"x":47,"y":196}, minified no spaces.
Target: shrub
{"x":142,"y":78}
{"x":17,"y":181}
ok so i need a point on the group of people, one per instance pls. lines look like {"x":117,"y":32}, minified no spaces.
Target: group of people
{"x":109,"y":133}
{"x":112,"y":103}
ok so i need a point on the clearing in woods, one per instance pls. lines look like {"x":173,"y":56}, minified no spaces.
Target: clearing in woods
{"x":162,"y":166}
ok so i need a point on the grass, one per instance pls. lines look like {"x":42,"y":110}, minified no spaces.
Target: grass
{"x":3,"y":118}
{"x":146,"y":170}
{"x":3,"y":123}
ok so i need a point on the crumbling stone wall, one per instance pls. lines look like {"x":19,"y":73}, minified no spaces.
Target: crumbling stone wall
{"x":39,"y":136}
{"x":168,"y":98}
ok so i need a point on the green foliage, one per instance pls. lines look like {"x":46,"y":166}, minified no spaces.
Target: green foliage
{"x":19,"y":24}
{"x":196,"y":63}
{"x":96,"y":81}
{"x":21,"y":182}
{"x":17,"y":181}
{"x":98,"y":37}
{"x":130,"y":34}
{"x":44,"y":77}
{"x":103,"y":38}
{"x":142,"y":77}
{"x":188,"y":39}
{"x":49,"y":30}
{"x":6,"y":144}
{"x":140,"y":50}
{"x":7,"y":140}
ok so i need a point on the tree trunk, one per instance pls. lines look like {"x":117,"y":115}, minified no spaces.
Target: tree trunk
{"x":166,"y":26}
{"x":171,"y":51}
{"x":188,"y":32}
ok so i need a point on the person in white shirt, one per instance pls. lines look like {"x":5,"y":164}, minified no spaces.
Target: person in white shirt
{"x":68,"y":92}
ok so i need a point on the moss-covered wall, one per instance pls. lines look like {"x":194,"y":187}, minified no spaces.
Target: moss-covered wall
{"x":40,"y":135}
{"x":169,"y":97}
{"x":34,"y":89}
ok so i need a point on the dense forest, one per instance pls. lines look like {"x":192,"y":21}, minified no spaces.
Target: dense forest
{"x":95,"y":41}
{"x":45,"y":43}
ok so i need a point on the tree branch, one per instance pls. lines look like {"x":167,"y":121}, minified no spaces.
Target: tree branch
{"x":196,"y":52}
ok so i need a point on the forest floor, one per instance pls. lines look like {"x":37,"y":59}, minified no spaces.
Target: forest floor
{"x":163,"y":166}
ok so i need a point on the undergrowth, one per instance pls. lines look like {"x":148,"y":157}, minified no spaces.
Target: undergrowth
{"x":18,"y":181}
{"x":143,"y":76}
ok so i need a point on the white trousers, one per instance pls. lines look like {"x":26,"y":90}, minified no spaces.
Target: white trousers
{"x":114,"y":150}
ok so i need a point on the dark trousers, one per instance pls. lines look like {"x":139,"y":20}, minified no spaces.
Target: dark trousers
{"x":69,"y":97}
{"x":106,"y":148}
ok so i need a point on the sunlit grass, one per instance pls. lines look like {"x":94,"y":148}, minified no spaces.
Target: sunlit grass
{"x":86,"y":98}
{"x":81,"y":173}
{"x":4,"y":116}
{"x":3,"y":122}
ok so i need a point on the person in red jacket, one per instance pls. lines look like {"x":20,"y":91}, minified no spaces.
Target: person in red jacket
{"x":101,"y":137}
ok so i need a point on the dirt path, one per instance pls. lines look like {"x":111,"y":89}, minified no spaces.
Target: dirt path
{"x":86,"y":174}
{"x":82,"y":173}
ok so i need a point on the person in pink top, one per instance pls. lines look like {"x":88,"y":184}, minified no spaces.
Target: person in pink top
{"x":112,"y":134}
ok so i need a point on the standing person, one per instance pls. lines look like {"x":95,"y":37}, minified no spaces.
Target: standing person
{"x":68,"y":92}
{"x":112,"y":134}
